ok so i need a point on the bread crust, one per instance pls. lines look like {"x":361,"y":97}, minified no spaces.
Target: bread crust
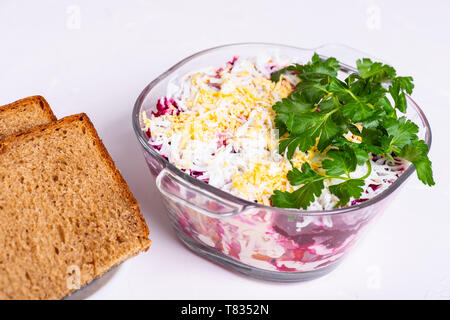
{"x":28,"y":101}
{"x":118,"y":176}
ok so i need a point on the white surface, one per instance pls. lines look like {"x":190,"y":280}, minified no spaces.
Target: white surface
{"x":96,"y":57}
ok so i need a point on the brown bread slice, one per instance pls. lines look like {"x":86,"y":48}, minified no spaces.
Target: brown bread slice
{"x":64,"y":208}
{"x":24,"y":114}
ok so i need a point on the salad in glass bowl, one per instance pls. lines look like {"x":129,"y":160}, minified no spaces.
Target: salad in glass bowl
{"x":272,"y":160}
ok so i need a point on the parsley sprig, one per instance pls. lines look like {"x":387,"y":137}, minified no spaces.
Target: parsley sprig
{"x":323,"y":108}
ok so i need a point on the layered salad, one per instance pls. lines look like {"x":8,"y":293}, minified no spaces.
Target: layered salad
{"x":283,"y":134}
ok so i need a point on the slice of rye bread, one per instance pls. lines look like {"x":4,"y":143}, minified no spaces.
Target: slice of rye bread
{"x":66,"y":214}
{"x":24,"y":114}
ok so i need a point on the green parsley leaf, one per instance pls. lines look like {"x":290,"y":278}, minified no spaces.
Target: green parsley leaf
{"x":296,"y":104}
{"x":346,"y":190}
{"x":397,"y":89}
{"x":300,"y":198}
{"x":401,"y":131}
{"x":342,"y":161}
{"x":405,"y":83}
{"x":291,"y":143}
{"x":358,"y":110}
{"x":305,"y":128}
{"x":375,"y":71}
{"x":297,"y":177}
{"x":424,"y":172}
{"x":416,"y":153}
{"x":361,"y":153}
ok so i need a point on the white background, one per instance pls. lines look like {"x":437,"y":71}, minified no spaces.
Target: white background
{"x":96,"y":57}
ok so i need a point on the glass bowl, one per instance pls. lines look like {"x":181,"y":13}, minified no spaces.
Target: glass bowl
{"x":268,"y":243}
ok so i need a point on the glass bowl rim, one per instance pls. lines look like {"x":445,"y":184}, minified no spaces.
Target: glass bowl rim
{"x":196,"y":183}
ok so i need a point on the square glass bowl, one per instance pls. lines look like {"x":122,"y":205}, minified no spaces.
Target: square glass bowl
{"x":268,"y":243}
